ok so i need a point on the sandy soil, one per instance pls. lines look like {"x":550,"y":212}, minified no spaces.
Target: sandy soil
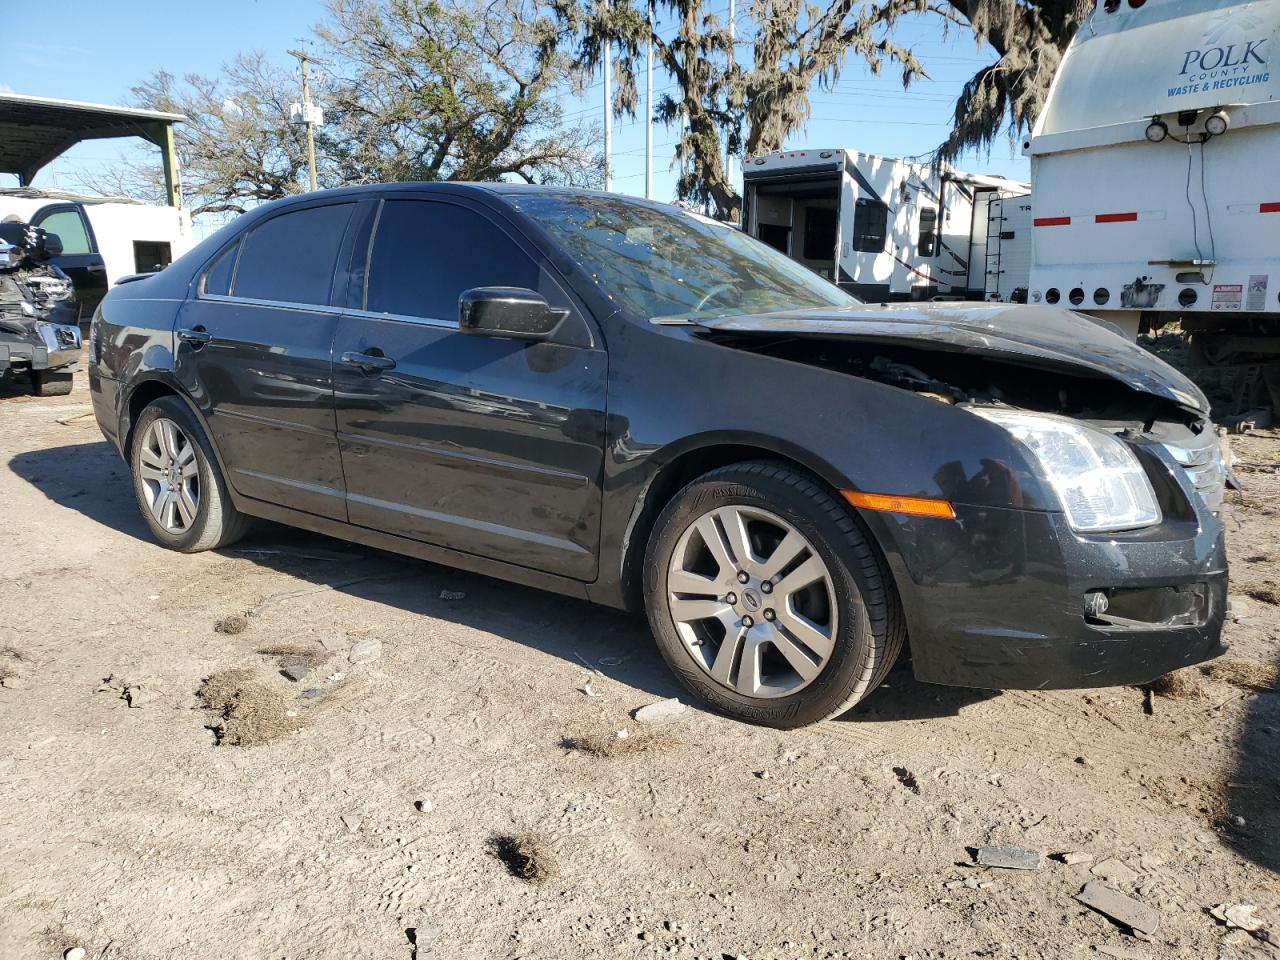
{"x":165,"y":791}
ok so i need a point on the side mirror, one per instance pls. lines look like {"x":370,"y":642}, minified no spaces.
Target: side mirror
{"x":513,"y":313}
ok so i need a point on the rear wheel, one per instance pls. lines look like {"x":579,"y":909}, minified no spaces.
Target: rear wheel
{"x":51,"y":383}
{"x":767,"y":598}
{"x":179,"y":488}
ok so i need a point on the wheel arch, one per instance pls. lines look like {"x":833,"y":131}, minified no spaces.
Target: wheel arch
{"x":146,"y":392}
{"x":683,"y":462}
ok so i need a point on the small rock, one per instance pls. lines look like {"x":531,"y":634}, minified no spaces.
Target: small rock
{"x":586,"y":688}
{"x":423,"y":806}
{"x":350,"y":821}
{"x":312,"y":693}
{"x":1113,"y":870}
{"x":1236,"y":938}
{"x":73,"y":953}
{"x":621,"y":734}
{"x":1238,"y":821}
{"x":664,"y":711}
{"x":1111,"y":903}
{"x":365,"y":651}
{"x":1084,"y":761}
{"x":295,"y":671}
{"x":1237,"y":915}
{"x":1008,"y":857}
{"x":770,"y":798}
{"x":646,"y":936}
{"x":335,"y":677}
{"x":762,"y":774}
{"x":1073,"y":857}
{"x":452,"y":595}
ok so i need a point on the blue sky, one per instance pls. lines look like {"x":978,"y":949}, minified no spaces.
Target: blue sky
{"x":96,"y":51}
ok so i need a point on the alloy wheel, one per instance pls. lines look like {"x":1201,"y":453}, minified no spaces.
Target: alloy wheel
{"x":752,"y":601}
{"x":170,"y":475}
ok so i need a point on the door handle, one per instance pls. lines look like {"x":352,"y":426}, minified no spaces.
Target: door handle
{"x":196,"y":336}
{"x":96,"y":268}
{"x":369,"y":362}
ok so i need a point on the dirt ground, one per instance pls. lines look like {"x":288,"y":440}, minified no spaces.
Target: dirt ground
{"x":166,"y":791}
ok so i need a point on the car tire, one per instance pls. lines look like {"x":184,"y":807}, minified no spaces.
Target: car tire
{"x":177,"y":483}
{"x":51,"y":383}
{"x":835,"y":627}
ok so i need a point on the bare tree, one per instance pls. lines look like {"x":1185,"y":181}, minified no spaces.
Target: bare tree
{"x":452,"y":90}
{"x":237,"y":147}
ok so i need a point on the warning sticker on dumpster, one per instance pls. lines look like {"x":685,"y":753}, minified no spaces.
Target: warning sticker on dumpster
{"x":1226,"y":296}
{"x":1257,"y":299}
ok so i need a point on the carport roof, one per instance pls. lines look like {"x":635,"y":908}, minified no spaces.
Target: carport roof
{"x":37,"y":130}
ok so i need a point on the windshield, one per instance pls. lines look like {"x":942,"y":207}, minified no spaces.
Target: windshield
{"x":659,"y":261}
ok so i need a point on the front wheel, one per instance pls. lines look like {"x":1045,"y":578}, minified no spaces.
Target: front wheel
{"x":179,"y":488}
{"x":767,"y":599}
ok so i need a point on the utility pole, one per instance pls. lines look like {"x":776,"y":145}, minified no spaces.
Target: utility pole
{"x":648,"y":110}
{"x":308,"y":118}
{"x":608,"y":118}
{"x":733,"y":53}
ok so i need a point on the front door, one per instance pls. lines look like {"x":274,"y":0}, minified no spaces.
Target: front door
{"x":488,"y":446}
{"x":253,"y":350}
{"x":80,"y":260}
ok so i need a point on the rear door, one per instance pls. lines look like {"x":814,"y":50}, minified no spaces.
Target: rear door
{"x":489,"y":446}
{"x":253,"y":349}
{"x":81,"y":259}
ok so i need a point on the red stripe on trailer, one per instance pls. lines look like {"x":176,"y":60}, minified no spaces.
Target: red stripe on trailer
{"x":1269,"y":208}
{"x":1052,"y":221}
{"x":1115,"y":217}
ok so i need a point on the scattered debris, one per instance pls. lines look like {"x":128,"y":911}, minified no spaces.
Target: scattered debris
{"x":620,"y":743}
{"x":1267,"y":593}
{"x":1185,"y":684}
{"x":528,"y":856}
{"x":664,"y":711}
{"x":423,"y":806}
{"x":1114,"y":905}
{"x":236,"y":623}
{"x":907,"y":779}
{"x":1237,"y":915}
{"x":1245,"y":674}
{"x":453,"y":595}
{"x":586,"y":688}
{"x":1073,"y":857}
{"x":1259,"y":418}
{"x":1113,"y":870}
{"x":366,"y":650}
{"x":250,"y":713}
{"x":1008,"y":857}
{"x":136,"y":693}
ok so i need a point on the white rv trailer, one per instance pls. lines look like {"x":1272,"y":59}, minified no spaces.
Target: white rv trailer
{"x":889,"y":229}
{"x":1154,"y":166}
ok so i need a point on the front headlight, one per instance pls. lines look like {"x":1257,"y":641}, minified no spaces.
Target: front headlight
{"x":1099,"y":481}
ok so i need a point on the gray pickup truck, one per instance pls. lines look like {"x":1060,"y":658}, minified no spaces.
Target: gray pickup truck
{"x":39,"y":329}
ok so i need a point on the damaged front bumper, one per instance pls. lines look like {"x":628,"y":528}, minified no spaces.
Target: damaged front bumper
{"x":40,"y":346}
{"x":1015,"y":599}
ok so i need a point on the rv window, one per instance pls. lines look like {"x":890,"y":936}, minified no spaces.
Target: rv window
{"x":69,"y":226}
{"x":217,"y":280}
{"x":870,"y":222}
{"x":927,"y":239}
{"x":290,"y":258}
{"x":776,"y":236}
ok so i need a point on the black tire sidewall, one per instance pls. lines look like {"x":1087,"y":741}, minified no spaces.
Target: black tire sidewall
{"x":847,"y":668}
{"x":171,"y":408}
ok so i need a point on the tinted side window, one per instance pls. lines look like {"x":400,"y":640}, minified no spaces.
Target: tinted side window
{"x":69,"y":226}
{"x":290,"y":258}
{"x":870,"y":222}
{"x":425,"y":254}
{"x":217,"y":280}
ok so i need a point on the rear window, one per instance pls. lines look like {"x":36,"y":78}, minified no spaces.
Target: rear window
{"x":291,"y":258}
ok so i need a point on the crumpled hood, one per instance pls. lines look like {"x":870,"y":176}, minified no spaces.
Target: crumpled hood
{"x":1047,"y":337}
